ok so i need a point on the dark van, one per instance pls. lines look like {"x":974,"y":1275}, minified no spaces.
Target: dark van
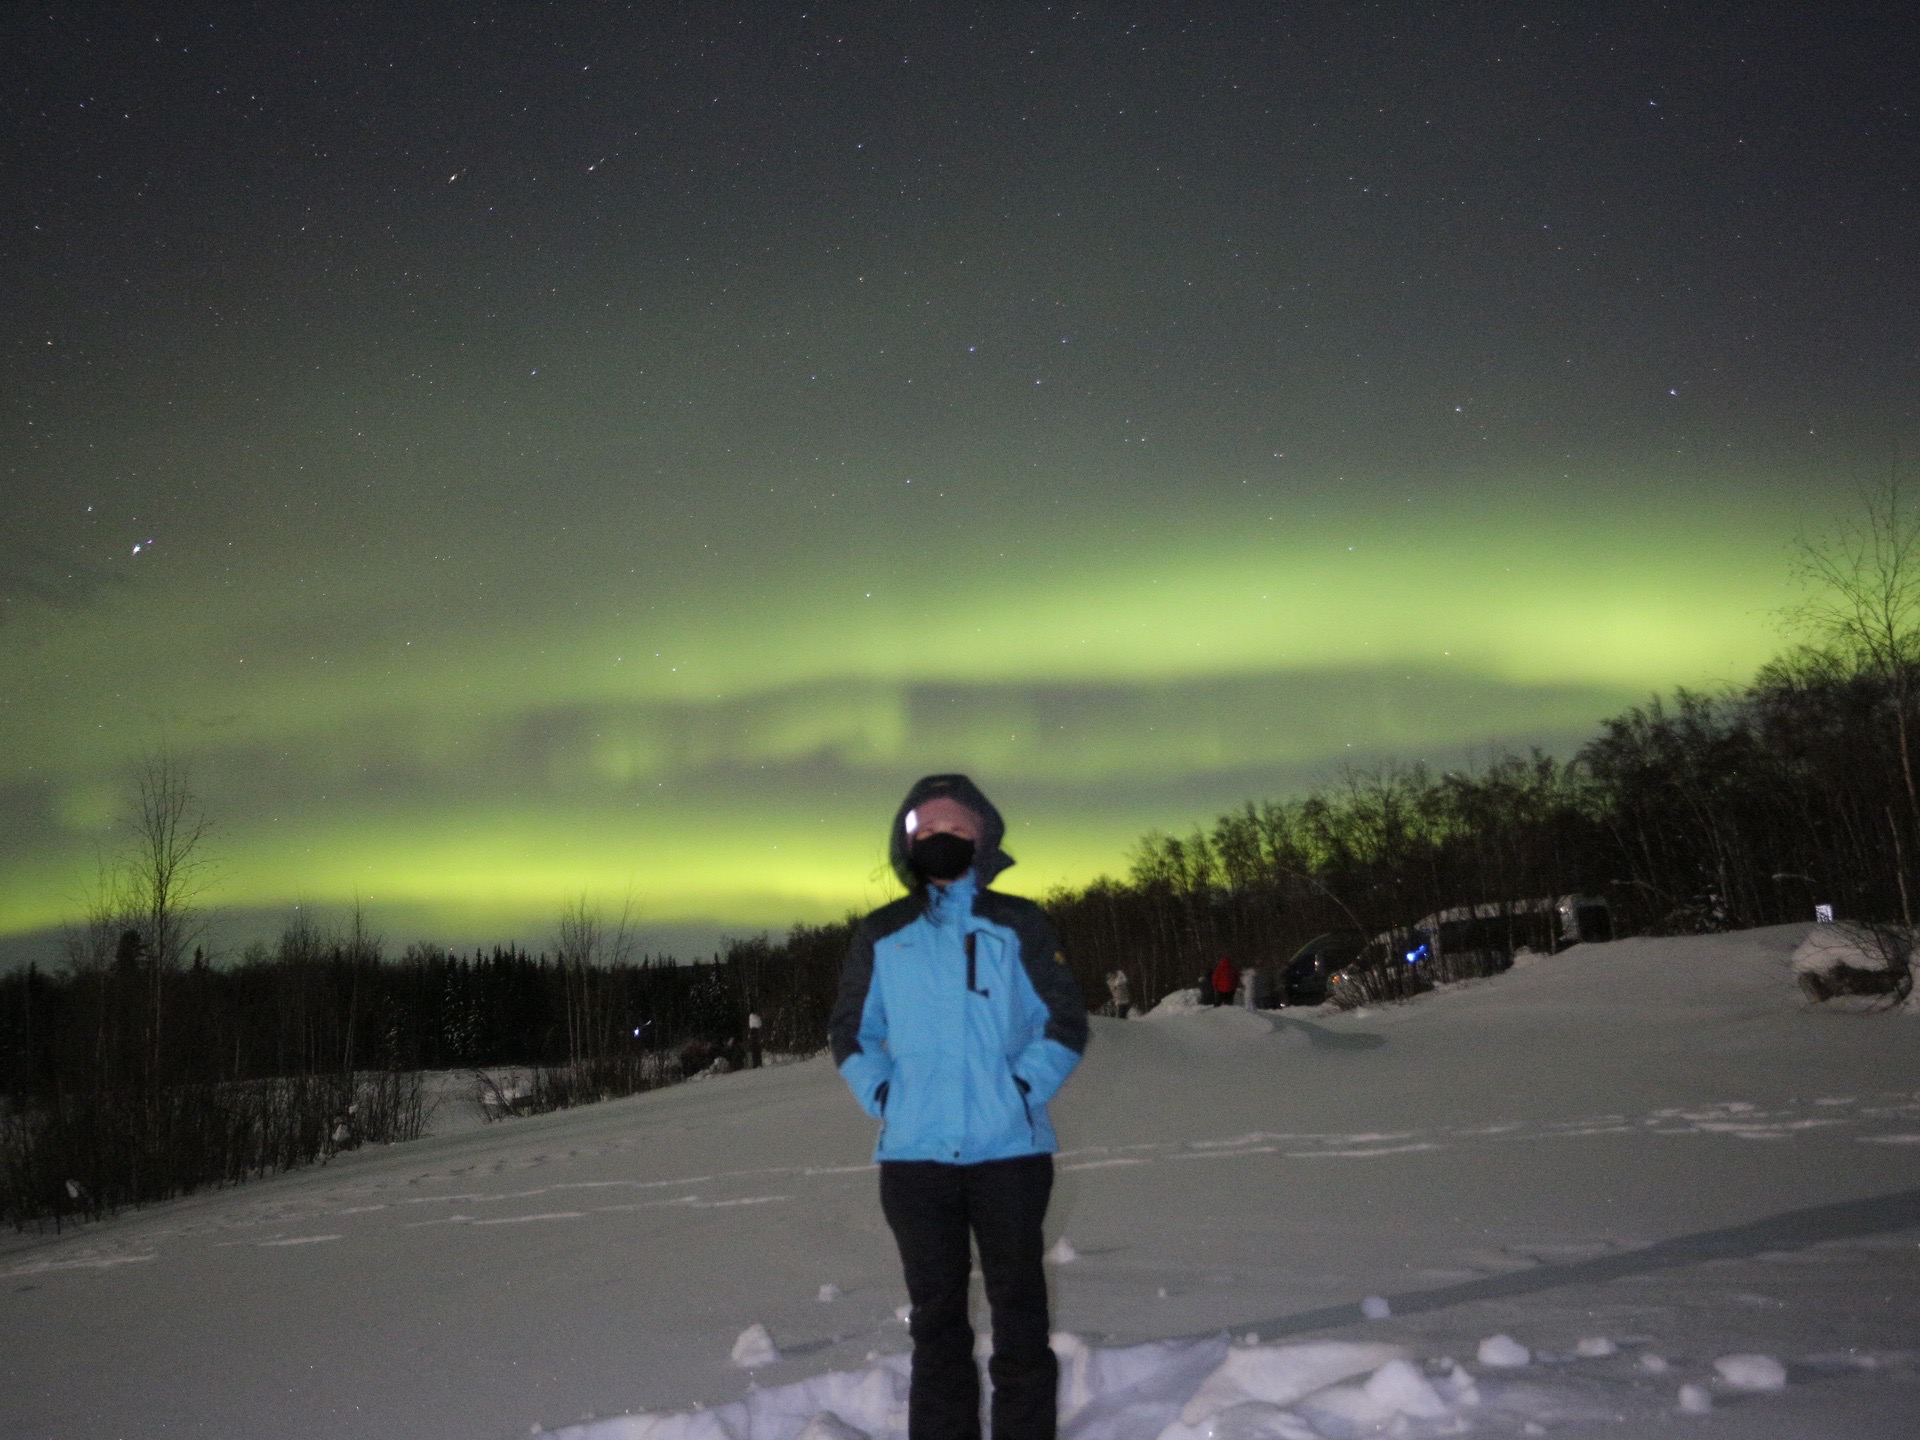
{"x":1304,"y":979}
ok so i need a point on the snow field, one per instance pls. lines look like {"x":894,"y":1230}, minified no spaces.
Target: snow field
{"x":1656,"y":1146}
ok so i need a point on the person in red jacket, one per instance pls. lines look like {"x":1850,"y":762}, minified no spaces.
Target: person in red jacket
{"x":1225,"y":978}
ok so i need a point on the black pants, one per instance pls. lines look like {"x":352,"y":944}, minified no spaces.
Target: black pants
{"x":933,"y":1208}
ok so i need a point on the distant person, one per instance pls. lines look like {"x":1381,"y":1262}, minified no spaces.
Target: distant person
{"x":957,"y":1020}
{"x":1225,"y":977}
{"x":1122,"y":993}
{"x":753,"y":1038}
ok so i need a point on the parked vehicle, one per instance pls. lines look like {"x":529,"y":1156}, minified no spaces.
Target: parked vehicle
{"x":1396,"y":965}
{"x":1305,"y":977}
{"x":1466,"y":942}
{"x":1585,"y":918}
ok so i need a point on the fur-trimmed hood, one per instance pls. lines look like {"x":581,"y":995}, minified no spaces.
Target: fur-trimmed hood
{"x":988,"y":858}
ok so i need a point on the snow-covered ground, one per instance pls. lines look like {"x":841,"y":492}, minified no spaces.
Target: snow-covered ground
{"x":1620,"y":1166}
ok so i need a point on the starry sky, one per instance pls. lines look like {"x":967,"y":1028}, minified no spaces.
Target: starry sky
{"x":512,"y":451}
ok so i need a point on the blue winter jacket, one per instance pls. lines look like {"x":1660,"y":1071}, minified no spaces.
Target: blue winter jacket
{"x":957,"y":1018}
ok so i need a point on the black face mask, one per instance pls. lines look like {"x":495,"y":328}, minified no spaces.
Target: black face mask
{"x":941,"y":856}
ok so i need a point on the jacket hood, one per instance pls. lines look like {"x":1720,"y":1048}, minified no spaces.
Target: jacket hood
{"x":988,"y":858}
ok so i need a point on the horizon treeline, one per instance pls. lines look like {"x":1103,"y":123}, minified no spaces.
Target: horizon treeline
{"x":126,"y":1080}
{"x":1692,"y":814}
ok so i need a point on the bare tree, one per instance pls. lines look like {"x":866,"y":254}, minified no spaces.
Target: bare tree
{"x":164,"y":870}
{"x":165,"y":865}
{"x":1863,"y":602}
{"x":361,"y":947}
{"x":587,"y":940}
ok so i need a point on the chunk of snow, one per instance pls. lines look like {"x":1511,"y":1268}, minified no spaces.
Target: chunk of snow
{"x":1375,"y":1307}
{"x":1694,"y":1400}
{"x":1075,"y":1359}
{"x":1752,"y":1372}
{"x":1503,"y":1352}
{"x":1254,"y":1420}
{"x":1399,"y":1387}
{"x":1176,"y":1002}
{"x":1347,"y":1410}
{"x":829,"y":1426}
{"x":903,"y":1313}
{"x":1654,"y":1364}
{"x":1063,"y":1252}
{"x":1282,"y":1374}
{"x":1594,"y":1347}
{"x":697,"y":1425}
{"x":829,"y":1293}
{"x":1395,"y":1394}
{"x":1457,"y":1387}
{"x":754,"y":1348}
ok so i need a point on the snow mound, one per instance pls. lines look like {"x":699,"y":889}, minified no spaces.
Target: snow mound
{"x":1752,"y":1372}
{"x":754,"y":1348}
{"x":1402,"y":1390}
{"x":1594,"y":1347}
{"x":1282,"y":1374}
{"x":1694,"y":1400}
{"x":1376,"y":1307}
{"x":829,"y":1426}
{"x":1177,"y":1002}
{"x":1503,"y":1352}
{"x":829,"y":1293}
{"x":1164,"y":1390}
{"x":1828,"y":947}
{"x":1457,"y":1386}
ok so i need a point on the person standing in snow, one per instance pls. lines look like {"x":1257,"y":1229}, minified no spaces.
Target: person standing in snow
{"x":1225,"y":977}
{"x":956,"y":1022}
{"x":1122,"y":992}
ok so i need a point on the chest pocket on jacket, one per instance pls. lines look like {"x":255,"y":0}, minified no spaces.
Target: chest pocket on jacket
{"x":974,"y":977}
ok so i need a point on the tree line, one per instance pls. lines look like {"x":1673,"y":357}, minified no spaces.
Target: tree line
{"x":134,"y":1080}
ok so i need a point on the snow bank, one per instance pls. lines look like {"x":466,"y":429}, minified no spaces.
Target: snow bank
{"x":1828,"y":947}
{"x":1166,"y":1390}
{"x":1177,"y":1002}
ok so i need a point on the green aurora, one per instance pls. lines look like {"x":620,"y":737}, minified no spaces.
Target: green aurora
{"x":516,"y":452}
{"x":724,"y":751}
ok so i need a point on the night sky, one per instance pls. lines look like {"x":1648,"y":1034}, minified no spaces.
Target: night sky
{"x":511,"y":450}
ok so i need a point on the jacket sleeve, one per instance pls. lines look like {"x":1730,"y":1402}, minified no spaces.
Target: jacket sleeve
{"x":1047,"y":1060}
{"x":857,"y":1029}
